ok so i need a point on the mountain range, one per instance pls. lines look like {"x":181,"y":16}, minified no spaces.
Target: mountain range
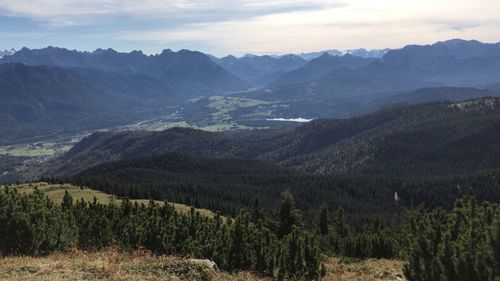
{"x":52,"y":90}
{"x":185,"y":70}
{"x":67,"y":90}
{"x":346,"y":84}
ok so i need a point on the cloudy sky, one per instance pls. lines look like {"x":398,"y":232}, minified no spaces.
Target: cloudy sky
{"x":235,"y":26}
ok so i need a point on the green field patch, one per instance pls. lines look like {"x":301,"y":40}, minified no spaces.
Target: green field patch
{"x":223,"y":106}
{"x":65,"y":148}
{"x":30,"y":152}
{"x":48,"y":144}
{"x":224,"y":127}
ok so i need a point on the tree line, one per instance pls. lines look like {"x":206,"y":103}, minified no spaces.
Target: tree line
{"x":438,"y":245}
{"x":34,"y":225}
{"x":461,"y":245}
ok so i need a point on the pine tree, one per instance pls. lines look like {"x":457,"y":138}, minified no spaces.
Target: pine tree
{"x":288,"y":216}
{"x":67,"y":202}
{"x":323,"y":220}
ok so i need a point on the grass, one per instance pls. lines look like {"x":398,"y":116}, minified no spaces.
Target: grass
{"x":30,"y":152}
{"x":55,"y":192}
{"x":141,"y":265}
{"x":109,"y":265}
{"x":36,"y":150}
{"x":66,"y":148}
{"x":223,"y":106}
{"x":363,"y":270}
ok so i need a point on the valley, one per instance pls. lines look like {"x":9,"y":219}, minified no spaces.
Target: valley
{"x":340,"y":165}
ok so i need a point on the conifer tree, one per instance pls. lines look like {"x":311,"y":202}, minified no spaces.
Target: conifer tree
{"x":323,"y":220}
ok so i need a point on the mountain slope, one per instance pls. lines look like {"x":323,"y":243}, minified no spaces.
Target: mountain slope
{"x":40,"y":100}
{"x":187,"y":71}
{"x":430,"y":139}
{"x":454,"y":63}
{"x":260,"y":70}
{"x":322,"y":66}
{"x":427,"y":95}
{"x":226,"y":184}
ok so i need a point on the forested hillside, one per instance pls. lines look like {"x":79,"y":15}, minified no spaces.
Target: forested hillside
{"x":438,"y":139}
{"x":228,"y":184}
{"x":44,"y":101}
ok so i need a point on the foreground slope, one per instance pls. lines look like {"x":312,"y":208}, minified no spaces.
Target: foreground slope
{"x":113,"y":265}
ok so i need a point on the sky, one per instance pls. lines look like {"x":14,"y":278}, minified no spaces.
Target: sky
{"x":222,"y":27}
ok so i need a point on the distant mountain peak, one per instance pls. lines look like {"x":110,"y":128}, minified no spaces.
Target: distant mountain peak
{"x":249,"y":56}
{"x":7,"y":52}
{"x":363,"y":53}
{"x":325,"y":55}
{"x":457,"y":41}
{"x":166,"y":51}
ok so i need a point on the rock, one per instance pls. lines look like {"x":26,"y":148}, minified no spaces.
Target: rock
{"x":205,"y":262}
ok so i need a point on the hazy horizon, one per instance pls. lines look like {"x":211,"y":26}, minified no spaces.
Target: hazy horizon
{"x":222,"y":27}
{"x":239,"y":55}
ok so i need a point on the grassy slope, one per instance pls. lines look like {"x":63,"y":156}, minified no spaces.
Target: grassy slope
{"x":365,"y":270}
{"x":112,"y":265}
{"x":55,"y":192}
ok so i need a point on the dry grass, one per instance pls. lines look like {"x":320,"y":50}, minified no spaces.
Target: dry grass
{"x":55,"y":192}
{"x":140,"y":265}
{"x":110,"y":265}
{"x":365,"y":270}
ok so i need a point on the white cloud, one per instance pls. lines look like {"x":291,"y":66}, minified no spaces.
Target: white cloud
{"x":75,"y":12}
{"x":272,"y":26}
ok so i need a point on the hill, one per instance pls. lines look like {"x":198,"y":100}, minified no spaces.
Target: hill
{"x":428,"y":95}
{"x":55,"y":192}
{"x":229,"y":184}
{"x":428,"y":139}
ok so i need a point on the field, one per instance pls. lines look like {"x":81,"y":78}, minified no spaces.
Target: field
{"x":140,"y":265}
{"x":55,"y":192}
{"x":223,"y":106}
{"x":39,"y":149}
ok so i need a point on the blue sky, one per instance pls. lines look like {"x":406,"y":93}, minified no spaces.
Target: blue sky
{"x":222,"y":27}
